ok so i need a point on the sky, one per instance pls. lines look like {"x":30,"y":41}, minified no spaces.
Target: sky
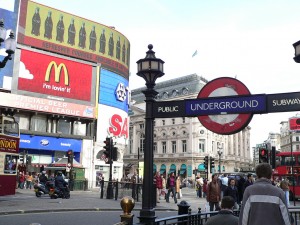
{"x":247,"y":40}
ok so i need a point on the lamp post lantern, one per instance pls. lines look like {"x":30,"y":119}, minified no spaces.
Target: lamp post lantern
{"x":220,"y":152}
{"x":10,"y":44}
{"x":150,"y":68}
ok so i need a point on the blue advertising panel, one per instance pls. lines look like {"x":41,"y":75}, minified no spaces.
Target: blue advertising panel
{"x":226,"y":105}
{"x":9,"y":14}
{"x":49,"y":143}
{"x":114,"y":90}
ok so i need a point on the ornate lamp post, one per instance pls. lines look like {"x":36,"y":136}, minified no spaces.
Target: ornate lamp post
{"x":150,"y":68}
{"x":10,"y":44}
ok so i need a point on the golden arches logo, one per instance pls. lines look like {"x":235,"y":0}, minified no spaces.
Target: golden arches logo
{"x":57,"y":72}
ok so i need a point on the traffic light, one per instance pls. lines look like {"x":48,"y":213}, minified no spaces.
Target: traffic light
{"x":107,"y":150}
{"x":21,"y":157}
{"x":263,"y":155}
{"x":70,"y":156}
{"x":114,"y":153}
{"x":212,"y":164}
{"x":205,"y":162}
{"x":28,"y":160}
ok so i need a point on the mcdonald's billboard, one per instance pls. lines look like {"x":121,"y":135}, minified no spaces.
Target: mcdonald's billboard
{"x":49,"y":75}
{"x":57,"y":31}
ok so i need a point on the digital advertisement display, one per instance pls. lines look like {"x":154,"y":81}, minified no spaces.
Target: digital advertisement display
{"x":57,"y":31}
{"x":9,"y":14}
{"x":114,"y":90}
{"x":54,"y":76}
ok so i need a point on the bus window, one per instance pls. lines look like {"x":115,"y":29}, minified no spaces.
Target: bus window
{"x":287,"y":160}
{"x":10,"y":164}
{"x":10,"y":127}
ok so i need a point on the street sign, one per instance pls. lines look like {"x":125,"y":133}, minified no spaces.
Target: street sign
{"x":283,"y":102}
{"x":226,"y":105}
{"x":168,"y":109}
{"x":224,"y":124}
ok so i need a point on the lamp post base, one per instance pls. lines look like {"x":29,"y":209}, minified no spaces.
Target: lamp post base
{"x":147,"y":216}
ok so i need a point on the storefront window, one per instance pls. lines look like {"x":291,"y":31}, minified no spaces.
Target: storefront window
{"x":10,"y":164}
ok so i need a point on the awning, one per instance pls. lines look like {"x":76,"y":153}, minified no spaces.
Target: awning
{"x":201,"y":167}
{"x":182,"y":172}
{"x":162,"y":171}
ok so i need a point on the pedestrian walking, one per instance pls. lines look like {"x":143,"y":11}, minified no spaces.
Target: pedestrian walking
{"x":158,"y":180}
{"x":29,"y":180}
{"x":232,"y":191}
{"x":224,"y":184}
{"x":249,"y":181}
{"x":171,"y":183}
{"x":21,"y":180}
{"x":284,"y":185}
{"x":177,"y":187}
{"x":264,"y":203}
{"x":213,"y":193}
{"x":204,"y":188}
{"x":225,"y":215}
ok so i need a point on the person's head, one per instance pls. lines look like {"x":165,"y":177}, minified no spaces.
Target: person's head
{"x":227,"y":202}
{"x":43,"y":172}
{"x":232,"y":181}
{"x":59,"y":173}
{"x":263,"y":170}
{"x":249,"y":176}
{"x":214,"y":177}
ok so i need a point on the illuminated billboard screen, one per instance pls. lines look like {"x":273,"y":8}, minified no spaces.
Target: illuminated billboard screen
{"x":294,"y":123}
{"x":114,"y":90}
{"x":54,"y":76}
{"x":57,"y":31}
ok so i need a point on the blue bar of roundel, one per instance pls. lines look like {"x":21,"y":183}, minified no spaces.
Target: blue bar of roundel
{"x":192,"y":109}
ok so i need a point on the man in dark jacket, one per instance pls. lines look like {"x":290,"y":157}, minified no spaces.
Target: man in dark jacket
{"x":60,"y":183}
{"x":264,"y":203}
{"x":249,"y":181}
{"x":232,"y":191}
{"x":225,"y":216}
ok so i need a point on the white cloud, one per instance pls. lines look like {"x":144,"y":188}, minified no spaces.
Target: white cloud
{"x":25,"y":73}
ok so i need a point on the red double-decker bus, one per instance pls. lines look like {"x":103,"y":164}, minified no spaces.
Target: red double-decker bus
{"x":9,"y":154}
{"x":287,"y":166}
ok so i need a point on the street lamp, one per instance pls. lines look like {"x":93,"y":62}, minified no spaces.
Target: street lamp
{"x":150,"y":68}
{"x":10,"y":44}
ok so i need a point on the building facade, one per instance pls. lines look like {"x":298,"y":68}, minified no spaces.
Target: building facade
{"x":290,"y":135}
{"x":68,"y":89}
{"x":180,"y":144}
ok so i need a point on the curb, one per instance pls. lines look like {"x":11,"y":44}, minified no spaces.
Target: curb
{"x":71,"y":210}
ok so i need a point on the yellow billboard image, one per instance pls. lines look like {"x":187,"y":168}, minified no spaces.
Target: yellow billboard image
{"x":57,"y":31}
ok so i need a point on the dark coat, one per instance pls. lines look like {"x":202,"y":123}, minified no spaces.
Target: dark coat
{"x":224,"y":217}
{"x":233,"y":192}
{"x":60,"y":182}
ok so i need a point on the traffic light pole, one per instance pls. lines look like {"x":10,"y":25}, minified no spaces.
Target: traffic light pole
{"x":293,"y":175}
{"x":110,"y":194}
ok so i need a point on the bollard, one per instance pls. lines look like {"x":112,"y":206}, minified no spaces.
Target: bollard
{"x":127,"y":203}
{"x":183,"y":208}
{"x":101,"y":188}
{"x":117,"y":190}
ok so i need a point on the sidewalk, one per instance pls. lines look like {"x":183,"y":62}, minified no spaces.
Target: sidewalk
{"x":25,"y":201}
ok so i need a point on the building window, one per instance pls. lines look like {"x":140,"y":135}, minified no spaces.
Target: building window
{"x":163,"y":122}
{"x":164,"y":147}
{"x":297,"y":138}
{"x":174,"y":133}
{"x":298,"y":147}
{"x":38,"y":123}
{"x":183,"y":145}
{"x":142,"y":126}
{"x":79,"y":128}
{"x":173,"y":121}
{"x":130,"y":146}
{"x":173,"y":146}
{"x":142,"y":143}
{"x":201,"y":145}
{"x":184,"y":132}
{"x":183,"y":119}
{"x":155,"y":147}
{"x":64,"y":126}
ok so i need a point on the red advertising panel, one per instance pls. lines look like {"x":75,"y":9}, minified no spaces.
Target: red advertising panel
{"x":9,"y":144}
{"x":294,"y":123}
{"x":54,"y":76}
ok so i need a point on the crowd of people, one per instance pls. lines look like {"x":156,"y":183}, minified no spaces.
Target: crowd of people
{"x":262,"y":201}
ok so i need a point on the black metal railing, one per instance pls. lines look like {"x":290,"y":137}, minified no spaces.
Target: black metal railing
{"x":122,"y":189}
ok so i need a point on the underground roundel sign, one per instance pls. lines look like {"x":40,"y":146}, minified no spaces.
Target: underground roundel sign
{"x":224,"y":123}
